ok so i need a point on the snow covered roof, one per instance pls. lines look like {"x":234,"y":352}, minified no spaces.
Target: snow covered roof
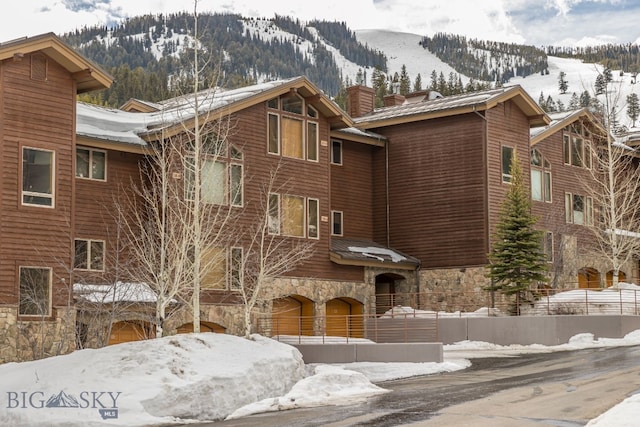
{"x":453,"y":105}
{"x":169,"y":116}
{"x":112,"y":293}
{"x":559,"y":121}
{"x":366,"y":253}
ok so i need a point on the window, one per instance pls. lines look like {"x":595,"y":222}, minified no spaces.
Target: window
{"x":236,"y":269}
{"x":274,"y":214}
{"x":37,"y":177}
{"x":293,"y":130}
{"x":221,"y":181}
{"x":273,"y":125}
{"x":576,"y":147}
{"x":89,"y":255}
{"x":336,"y":223}
{"x":236,"y":185}
{"x":293,"y":216}
{"x":91,"y":164}
{"x":547,"y":245}
{"x":312,"y":141}
{"x":578,"y":209}
{"x":213,"y":265}
{"x":292,"y":138}
{"x":507,"y":155}
{"x":540,"y":177}
{"x":35,"y":291}
{"x":312,"y":218}
{"x":336,"y":152}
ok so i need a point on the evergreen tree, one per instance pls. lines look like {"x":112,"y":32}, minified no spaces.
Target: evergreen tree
{"x":417,"y":83}
{"x":633,"y":108}
{"x":516,"y":260}
{"x":405,"y":81}
{"x":434,"y":80}
{"x":379,"y":84}
{"x":574,"y":102}
{"x":585,"y":99}
{"x":563,"y":85}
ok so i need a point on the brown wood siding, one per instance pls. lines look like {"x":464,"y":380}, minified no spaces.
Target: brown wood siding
{"x":296,"y":177}
{"x":564,"y":179}
{"x":352,"y":190}
{"x":95,"y":213}
{"x":508,"y":126}
{"x":39,"y":114}
{"x":436,"y":190}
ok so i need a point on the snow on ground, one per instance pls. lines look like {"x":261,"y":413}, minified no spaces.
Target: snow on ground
{"x":198,"y":377}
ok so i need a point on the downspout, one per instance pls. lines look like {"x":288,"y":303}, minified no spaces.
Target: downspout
{"x":386,"y":184}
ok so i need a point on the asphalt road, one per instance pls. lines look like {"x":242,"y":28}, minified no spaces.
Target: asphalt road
{"x":562,"y":389}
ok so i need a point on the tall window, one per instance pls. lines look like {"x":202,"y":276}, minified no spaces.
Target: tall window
{"x":336,"y":152}
{"x":89,"y":255}
{"x":312,"y":218}
{"x":35,"y":291}
{"x":578,"y":209}
{"x":292,"y":128}
{"x":576,"y":146}
{"x":507,"y":155}
{"x":91,"y":164}
{"x":37,"y":177}
{"x":540,"y":177}
{"x":336,"y":223}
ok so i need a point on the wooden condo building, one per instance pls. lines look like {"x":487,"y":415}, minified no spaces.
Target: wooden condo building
{"x":399,"y":200}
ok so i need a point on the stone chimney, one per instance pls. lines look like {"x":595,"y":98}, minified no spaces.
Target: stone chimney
{"x":393,"y":100}
{"x":360,"y":100}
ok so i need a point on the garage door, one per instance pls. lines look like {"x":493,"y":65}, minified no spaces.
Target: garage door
{"x":130,"y":331}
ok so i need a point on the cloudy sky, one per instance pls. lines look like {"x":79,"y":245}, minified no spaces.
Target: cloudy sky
{"x":536,"y":22}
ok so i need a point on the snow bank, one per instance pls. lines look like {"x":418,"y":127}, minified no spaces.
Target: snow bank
{"x":168,"y":380}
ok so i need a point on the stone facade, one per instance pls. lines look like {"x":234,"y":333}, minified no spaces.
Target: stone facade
{"x":22,"y":340}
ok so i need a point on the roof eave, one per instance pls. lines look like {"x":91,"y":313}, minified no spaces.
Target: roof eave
{"x":338,"y":259}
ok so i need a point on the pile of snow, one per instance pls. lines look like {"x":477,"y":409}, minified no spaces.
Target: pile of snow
{"x":408,"y":312}
{"x":167,"y":380}
{"x":621,"y":299}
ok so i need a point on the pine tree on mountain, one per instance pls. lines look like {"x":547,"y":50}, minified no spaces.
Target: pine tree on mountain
{"x":633,"y":108}
{"x":433,"y":85}
{"x":516,"y":260}
{"x":563,"y":85}
{"x":574,"y":102}
{"x":379,"y":84}
{"x":417,"y":83}
{"x":585,"y":99}
{"x":405,"y":81}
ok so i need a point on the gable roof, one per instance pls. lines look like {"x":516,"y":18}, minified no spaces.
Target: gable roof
{"x":560,"y":120}
{"x":454,"y":105}
{"x":88,"y":76}
{"x":169,"y":117}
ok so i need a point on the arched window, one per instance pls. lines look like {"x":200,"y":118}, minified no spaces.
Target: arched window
{"x":540,"y":177}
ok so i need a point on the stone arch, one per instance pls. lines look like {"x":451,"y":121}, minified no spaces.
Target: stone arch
{"x":344,"y":317}
{"x":131,"y":330}
{"x":622,"y":276}
{"x":385,"y":284}
{"x":588,"y":278}
{"x":292,"y":315}
{"x":204,"y":327}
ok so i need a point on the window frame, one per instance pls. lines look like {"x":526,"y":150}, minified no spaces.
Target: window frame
{"x":316,"y":224}
{"x":336,"y":147}
{"x":91,"y":152}
{"x":306,"y":114}
{"x":340,"y":223}
{"x":89,"y":251}
{"x":52,"y":177}
{"x":506,"y":176}
{"x":570,"y":137}
{"x":547,"y":245}
{"x":570,"y":211}
{"x":545,"y":179}
{"x":49,"y":287}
